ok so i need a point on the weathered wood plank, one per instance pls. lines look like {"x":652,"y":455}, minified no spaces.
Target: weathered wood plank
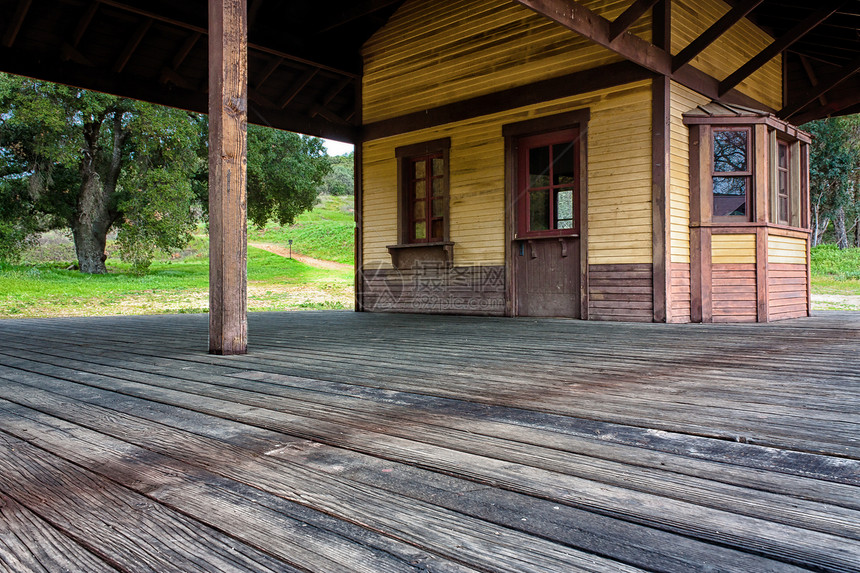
{"x":28,"y":543}
{"x":493,"y":473}
{"x":117,"y":525}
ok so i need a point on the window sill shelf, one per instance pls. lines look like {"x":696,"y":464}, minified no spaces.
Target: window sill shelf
{"x":409,"y":255}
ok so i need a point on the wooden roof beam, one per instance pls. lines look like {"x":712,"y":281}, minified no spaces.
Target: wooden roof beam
{"x":14,"y":26}
{"x":623,"y":22}
{"x":185,"y":49}
{"x":361,"y":10}
{"x":84,"y":23}
{"x":132,"y":45}
{"x":273,"y":65}
{"x":184,"y":25}
{"x":843,"y":106}
{"x":813,"y":78}
{"x":584,"y":22}
{"x":822,"y":88}
{"x":779,"y":45}
{"x":322,"y":110}
{"x":298,"y":87}
{"x":716,"y":30}
{"x":579,"y":19}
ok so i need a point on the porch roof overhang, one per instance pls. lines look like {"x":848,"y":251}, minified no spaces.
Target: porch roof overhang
{"x":304,"y":62}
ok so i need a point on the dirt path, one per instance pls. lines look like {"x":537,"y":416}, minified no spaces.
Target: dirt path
{"x":319,"y":263}
{"x":835,"y":302}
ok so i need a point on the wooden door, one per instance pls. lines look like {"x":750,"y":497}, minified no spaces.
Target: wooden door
{"x":547,"y":278}
{"x":546,"y":244}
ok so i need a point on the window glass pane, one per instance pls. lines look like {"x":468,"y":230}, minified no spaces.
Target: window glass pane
{"x":783,"y":210}
{"x":539,"y":167}
{"x":438,"y":229}
{"x":438,"y":207}
{"x":730,"y":151}
{"x":783,"y":155}
{"x":438,"y":166}
{"x":562,"y":164}
{"x":420,"y":190}
{"x":420,"y":230}
{"x":564,"y":209}
{"x":730,"y":196}
{"x":420,"y":169}
{"x":783,"y":183}
{"x":538,"y":210}
{"x":437,"y":188}
{"x":419,"y":212}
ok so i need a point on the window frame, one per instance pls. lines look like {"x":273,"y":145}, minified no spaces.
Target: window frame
{"x":524,"y":190}
{"x":787,"y":195}
{"x":747,"y":174}
{"x":406,"y":157}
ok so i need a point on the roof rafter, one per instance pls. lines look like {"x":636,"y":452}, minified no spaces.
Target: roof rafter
{"x":251,"y":46}
{"x":16,"y":22}
{"x":361,"y":10}
{"x":298,"y":87}
{"x":132,"y":45}
{"x":822,"y":88}
{"x":779,"y":45}
{"x":716,"y":30}
{"x":577,"y":18}
{"x":623,"y":22}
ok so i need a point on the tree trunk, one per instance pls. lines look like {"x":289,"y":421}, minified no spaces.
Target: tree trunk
{"x":94,"y":216}
{"x":91,"y":222}
{"x":839,"y":226}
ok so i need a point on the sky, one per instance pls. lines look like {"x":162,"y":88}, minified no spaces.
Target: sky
{"x":336,"y":147}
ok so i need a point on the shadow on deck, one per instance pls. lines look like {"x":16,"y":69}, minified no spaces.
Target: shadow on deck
{"x":360,"y":442}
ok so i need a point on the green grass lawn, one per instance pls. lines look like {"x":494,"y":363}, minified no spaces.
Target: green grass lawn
{"x":835,"y":278}
{"x":171,"y":286}
{"x":327,"y":232}
{"x":41,"y":286}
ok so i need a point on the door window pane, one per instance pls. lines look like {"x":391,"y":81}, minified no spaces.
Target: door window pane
{"x":420,"y":169}
{"x":539,"y":167}
{"x":420,"y":190}
{"x":438,"y":167}
{"x":420,"y":230}
{"x":562,"y":164}
{"x":564,"y":209}
{"x":418,"y":211}
{"x":438,"y":188}
{"x":438,"y":229}
{"x":438,"y":207}
{"x":539,"y":211}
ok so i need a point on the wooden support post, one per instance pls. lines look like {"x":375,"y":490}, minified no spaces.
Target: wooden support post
{"x":228,"y":112}
{"x":761,"y":278}
{"x":660,"y":198}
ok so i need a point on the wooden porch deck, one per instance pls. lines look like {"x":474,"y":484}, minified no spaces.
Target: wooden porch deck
{"x":360,"y":442}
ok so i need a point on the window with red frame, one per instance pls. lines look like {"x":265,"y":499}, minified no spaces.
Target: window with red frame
{"x":426,"y":198}
{"x":783,"y":188}
{"x":732,"y":175}
{"x":548,"y":197}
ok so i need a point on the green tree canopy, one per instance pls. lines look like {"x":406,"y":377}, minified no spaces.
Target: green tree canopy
{"x":340,"y":181}
{"x":834,"y":168}
{"x":95,"y":163}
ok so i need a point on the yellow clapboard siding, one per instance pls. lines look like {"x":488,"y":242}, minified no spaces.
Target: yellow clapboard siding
{"x":786,"y":250}
{"x":730,"y":51}
{"x":619,"y":206}
{"x":681,"y":100}
{"x":732,"y":249}
{"x":432,"y":53}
